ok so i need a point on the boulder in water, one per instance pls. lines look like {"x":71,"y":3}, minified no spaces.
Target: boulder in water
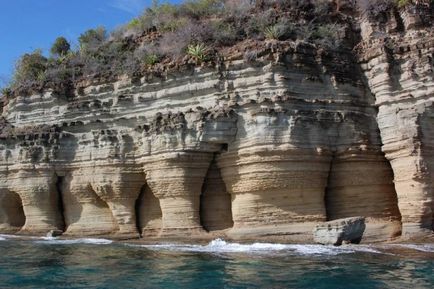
{"x":54,"y":233}
{"x":348,"y":230}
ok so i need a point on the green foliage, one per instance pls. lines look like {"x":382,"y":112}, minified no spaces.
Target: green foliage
{"x":201,"y":8}
{"x":92,"y":38}
{"x":273,"y":32}
{"x":60,"y":47}
{"x":328,"y":35}
{"x":224,"y":33}
{"x":6,"y":91}
{"x":164,"y":17}
{"x":166,"y":33}
{"x":256,"y":25}
{"x":151,"y":59}
{"x":198,"y":51}
{"x":133,"y":23}
{"x":30,"y":68}
{"x":402,"y":3}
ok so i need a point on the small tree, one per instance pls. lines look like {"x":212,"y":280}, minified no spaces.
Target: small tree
{"x":60,"y":47}
{"x":30,"y":68}
{"x":92,"y":38}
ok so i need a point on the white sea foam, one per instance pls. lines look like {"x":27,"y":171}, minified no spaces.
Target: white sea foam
{"x":418,"y":247}
{"x":221,"y":246}
{"x":56,"y":241}
{"x":5,"y":236}
{"x":2,"y":239}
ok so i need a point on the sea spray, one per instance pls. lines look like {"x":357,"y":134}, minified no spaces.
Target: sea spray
{"x":221,"y":246}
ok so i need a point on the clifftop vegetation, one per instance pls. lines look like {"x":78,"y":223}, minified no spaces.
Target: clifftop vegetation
{"x":197,"y":32}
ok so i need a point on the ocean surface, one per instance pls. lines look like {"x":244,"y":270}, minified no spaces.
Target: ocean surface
{"x":99,"y":263}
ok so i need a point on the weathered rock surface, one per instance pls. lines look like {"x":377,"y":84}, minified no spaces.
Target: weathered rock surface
{"x":399,"y":70}
{"x":245,"y":151}
{"x":348,"y":230}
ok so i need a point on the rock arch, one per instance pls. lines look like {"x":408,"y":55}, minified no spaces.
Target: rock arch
{"x":12,"y":217}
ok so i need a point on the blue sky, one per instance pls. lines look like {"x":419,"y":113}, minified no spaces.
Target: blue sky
{"x":26,"y":25}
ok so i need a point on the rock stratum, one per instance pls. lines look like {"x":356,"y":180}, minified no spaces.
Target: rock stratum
{"x":246,"y":150}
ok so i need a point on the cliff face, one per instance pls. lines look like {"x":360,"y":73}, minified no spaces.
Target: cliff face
{"x":246,"y":151}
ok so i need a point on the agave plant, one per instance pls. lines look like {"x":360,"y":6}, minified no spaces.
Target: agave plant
{"x":198,"y":51}
{"x":273,"y":32}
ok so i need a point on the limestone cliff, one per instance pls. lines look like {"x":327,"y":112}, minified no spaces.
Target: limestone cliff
{"x":245,"y":150}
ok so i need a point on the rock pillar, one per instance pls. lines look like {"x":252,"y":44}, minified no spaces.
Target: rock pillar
{"x":176,"y":179}
{"x":274,"y":191}
{"x":37,"y":189}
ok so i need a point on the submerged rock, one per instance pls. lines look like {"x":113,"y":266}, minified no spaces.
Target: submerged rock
{"x":348,"y":230}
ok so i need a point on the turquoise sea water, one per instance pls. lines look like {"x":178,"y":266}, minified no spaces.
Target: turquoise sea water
{"x":98,"y":263}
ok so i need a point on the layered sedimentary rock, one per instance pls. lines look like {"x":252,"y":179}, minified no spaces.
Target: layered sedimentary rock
{"x":246,"y":150}
{"x":348,"y":230}
{"x":399,"y":70}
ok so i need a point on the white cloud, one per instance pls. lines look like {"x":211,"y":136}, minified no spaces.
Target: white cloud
{"x":130,"y":6}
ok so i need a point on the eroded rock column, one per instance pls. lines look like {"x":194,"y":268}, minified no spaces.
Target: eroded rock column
{"x":85,"y":212}
{"x":176,"y":180}
{"x":276,"y":191}
{"x":120,"y":187}
{"x":400,"y":75}
{"x":37,"y":189}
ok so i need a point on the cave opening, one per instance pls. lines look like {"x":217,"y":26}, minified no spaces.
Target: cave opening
{"x":215,"y":202}
{"x":60,"y":182}
{"x":148,"y":213}
{"x":12,"y":212}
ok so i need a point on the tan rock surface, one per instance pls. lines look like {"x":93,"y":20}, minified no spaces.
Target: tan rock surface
{"x":262,"y":150}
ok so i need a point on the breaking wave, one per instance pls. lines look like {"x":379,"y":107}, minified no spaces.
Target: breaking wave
{"x":221,"y":246}
{"x":55,"y":241}
{"x":419,"y":247}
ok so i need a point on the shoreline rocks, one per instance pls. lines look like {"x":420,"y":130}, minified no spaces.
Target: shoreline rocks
{"x":336,"y":232}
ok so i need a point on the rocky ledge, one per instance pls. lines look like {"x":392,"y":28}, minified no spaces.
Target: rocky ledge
{"x":246,"y":150}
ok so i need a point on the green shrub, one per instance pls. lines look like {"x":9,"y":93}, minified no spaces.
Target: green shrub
{"x":151,"y":59}
{"x":272,"y":32}
{"x":174,"y":44}
{"x":198,"y":51}
{"x":92,"y":38}
{"x":163,"y":17}
{"x":257,"y":24}
{"x":201,"y":8}
{"x":402,"y":3}
{"x":30,"y":68}
{"x":6,"y":92}
{"x":133,"y":23}
{"x":328,"y":35}
{"x":60,"y":47}
{"x":224,"y":33}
